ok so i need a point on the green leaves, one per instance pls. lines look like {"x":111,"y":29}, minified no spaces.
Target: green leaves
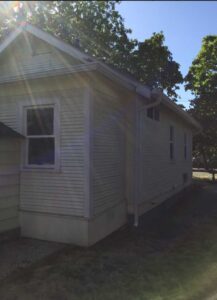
{"x":153,"y":64}
{"x":202,"y":75}
{"x":102,"y":33}
{"x":202,"y":81}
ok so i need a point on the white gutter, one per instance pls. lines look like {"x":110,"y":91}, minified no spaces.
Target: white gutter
{"x":157,"y":94}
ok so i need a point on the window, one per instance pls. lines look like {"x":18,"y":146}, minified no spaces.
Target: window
{"x":157,"y":114}
{"x":153,"y":113}
{"x":185,"y":146}
{"x":171,"y":144}
{"x":40,"y":136}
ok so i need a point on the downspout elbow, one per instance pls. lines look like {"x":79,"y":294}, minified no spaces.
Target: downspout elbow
{"x":157,"y":94}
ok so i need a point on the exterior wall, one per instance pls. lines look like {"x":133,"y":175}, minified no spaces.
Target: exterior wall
{"x":86,"y":197}
{"x":130,"y":153}
{"x":55,"y":227}
{"x":107,"y":185}
{"x":158,"y":176}
{"x":58,"y":191}
{"x":28,"y":55}
{"x":71,"y":229}
{"x":107,"y":154}
{"x":9,"y":183}
{"x":53,"y":203}
{"x":106,"y":222}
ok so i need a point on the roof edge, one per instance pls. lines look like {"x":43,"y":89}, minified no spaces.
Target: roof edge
{"x":8,"y":132}
{"x":132,"y":85}
{"x":183,"y":114}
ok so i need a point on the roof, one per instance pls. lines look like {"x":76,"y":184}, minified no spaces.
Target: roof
{"x":86,"y":59}
{"x":183,"y":114}
{"x":89,"y":64}
{"x":7,"y":132}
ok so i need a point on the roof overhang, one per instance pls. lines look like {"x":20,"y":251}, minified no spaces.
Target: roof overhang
{"x":7,"y":132}
{"x":182,"y":114}
{"x":87,"y":67}
{"x":114,"y":76}
{"x":88,"y":63}
{"x":46,"y":37}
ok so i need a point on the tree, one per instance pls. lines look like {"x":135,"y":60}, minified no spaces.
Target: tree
{"x":102,"y":33}
{"x":202,"y":81}
{"x":153,"y":64}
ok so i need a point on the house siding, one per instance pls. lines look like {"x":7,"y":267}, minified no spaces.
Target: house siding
{"x":57,"y":191}
{"x":107,"y":153}
{"x":106,"y":157}
{"x":9,"y":183}
{"x":129,"y":152}
{"x":159,"y":177}
{"x":107,"y":150}
{"x":29,"y":55}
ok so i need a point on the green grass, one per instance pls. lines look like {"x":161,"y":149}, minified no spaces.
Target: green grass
{"x":202,"y":176}
{"x":184,"y":271}
{"x":127,"y":266}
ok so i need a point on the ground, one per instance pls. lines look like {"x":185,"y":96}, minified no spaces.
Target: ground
{"x":172,"y":255}
{"x":202,"y":176}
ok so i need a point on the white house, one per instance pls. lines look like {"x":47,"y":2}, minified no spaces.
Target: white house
{"x":92,"y":145}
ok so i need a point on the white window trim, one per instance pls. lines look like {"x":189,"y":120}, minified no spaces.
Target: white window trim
{"x":38,"y":103}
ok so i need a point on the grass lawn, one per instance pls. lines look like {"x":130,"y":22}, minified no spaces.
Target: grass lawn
{"x":202,"y":176}
{"x":171,"y":256}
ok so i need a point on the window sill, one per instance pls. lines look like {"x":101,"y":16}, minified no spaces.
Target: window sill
{"x":40,"y":170}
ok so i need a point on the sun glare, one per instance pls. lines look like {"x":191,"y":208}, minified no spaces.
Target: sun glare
{"x":7,"y":7}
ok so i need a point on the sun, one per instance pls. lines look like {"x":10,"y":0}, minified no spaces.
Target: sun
{"x":8,"y":7}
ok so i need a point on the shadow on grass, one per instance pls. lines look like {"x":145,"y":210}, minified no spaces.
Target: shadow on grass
{"x":153,"y":263}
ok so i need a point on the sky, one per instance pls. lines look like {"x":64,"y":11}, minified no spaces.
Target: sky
{"x":184,"y":24}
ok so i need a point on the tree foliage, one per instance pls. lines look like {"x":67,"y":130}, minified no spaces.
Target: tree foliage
{"x":153,"y":64}
{"x":202,"y":75}
{"x":102,"y":33}
{"x":202,"y":81}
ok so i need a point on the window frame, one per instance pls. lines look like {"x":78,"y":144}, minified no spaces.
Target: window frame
{"x":55,"y":135}
{"x":153,"y":113}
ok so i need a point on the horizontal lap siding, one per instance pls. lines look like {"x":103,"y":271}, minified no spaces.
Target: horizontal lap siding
{"x":21,"y":59}
{"x":9,"y":183}
{"x":107,"y":152}
{"x":58,"y":191}
{"x":158,"y":174}
{"x":61,"y":192}
{"x":130,"y":143}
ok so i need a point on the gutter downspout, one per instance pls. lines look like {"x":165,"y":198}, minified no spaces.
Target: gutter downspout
{"x":157,"y":94}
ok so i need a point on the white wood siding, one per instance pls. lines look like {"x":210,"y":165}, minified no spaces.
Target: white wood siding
{"x":159,"y":177}
{"x":107,"y":152}
{"x":129,"y":150}
{"x":28,"y":55}
{"x":55,"y":191}
{"x":9,"y":183}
